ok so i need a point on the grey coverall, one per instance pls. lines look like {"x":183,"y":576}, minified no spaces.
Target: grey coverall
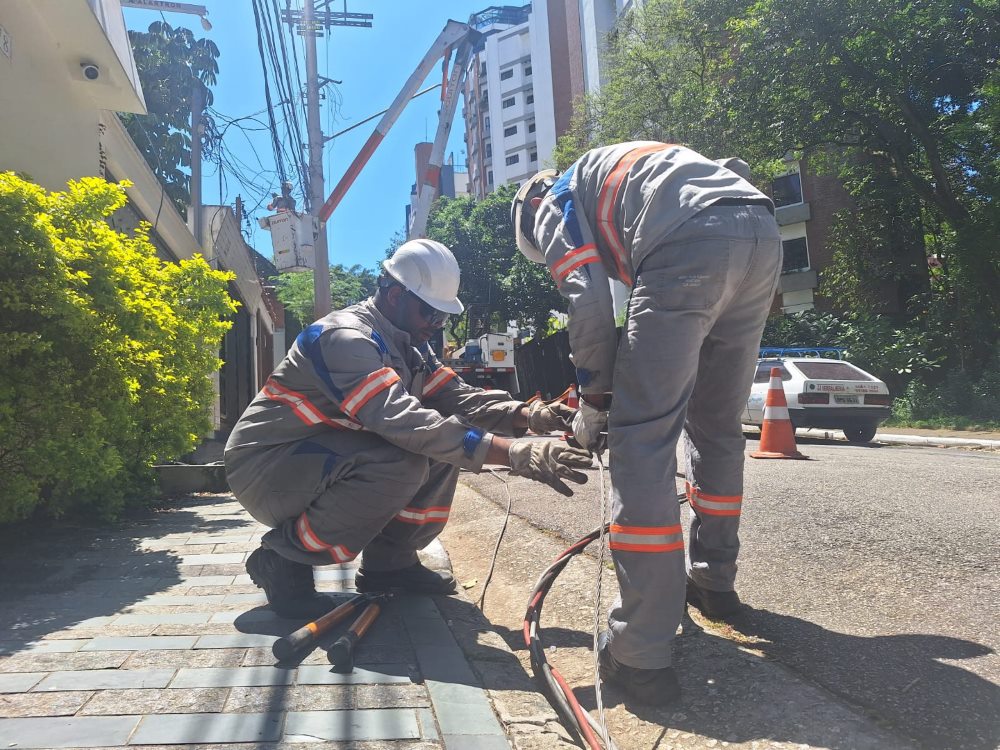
{"x":355,"y":442}
{"x":701,"y":251}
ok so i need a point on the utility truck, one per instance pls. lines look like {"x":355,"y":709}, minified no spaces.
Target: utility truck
{"x":487,"y":362}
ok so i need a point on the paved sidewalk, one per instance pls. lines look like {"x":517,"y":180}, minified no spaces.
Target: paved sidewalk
{"x":153,"y":635}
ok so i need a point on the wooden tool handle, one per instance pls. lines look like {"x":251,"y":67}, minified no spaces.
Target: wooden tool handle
{"x":341,"y":653}
{"x":285,"y":647}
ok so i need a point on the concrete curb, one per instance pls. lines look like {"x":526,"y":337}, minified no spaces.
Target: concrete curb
{"x":530,"y":721}
{"x":891,"y":439}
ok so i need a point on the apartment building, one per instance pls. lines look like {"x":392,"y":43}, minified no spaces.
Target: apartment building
{"x":519,"y":90}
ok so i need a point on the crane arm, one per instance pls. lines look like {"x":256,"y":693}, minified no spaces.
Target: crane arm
{"x":455,"y":34}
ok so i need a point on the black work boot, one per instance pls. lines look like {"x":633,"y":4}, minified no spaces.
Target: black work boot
{"x":288,"y":585}
{"x":415,"y":579}
{"x":655,"y":687}
{"x":715,"y":605}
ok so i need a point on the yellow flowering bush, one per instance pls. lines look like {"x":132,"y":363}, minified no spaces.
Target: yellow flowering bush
{"x":105,"y":351}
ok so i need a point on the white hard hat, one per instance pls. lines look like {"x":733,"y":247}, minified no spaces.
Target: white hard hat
{"x":429,"y":270}
{"x":536,"y":186}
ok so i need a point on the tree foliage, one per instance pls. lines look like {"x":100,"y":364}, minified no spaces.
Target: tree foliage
{"x":494,"y":274}
{"x":898,"y":99}
{"x":172,"y":63}
{"x":106,"y":351}
{"x":296,"y":291}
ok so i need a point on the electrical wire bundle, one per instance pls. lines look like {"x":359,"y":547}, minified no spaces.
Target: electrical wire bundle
{"x":558,"y":691}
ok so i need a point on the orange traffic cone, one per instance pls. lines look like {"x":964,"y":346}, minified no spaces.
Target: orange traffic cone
{"x":777,"y":436}
{"x":572,"y":397}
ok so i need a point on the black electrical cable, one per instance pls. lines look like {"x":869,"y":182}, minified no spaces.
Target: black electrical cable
{"x":267,"y":94}
{"x":558,"y":691}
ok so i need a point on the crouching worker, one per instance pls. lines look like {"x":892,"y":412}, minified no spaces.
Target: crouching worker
{"x":355,"y":442}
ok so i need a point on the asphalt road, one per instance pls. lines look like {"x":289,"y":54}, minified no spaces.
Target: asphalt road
{"x":871,"y":571}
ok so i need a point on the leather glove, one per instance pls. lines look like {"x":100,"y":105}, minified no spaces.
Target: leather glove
{"x":544,"y":418}
{"x":588,"y":425}
{"x":549,"y":462}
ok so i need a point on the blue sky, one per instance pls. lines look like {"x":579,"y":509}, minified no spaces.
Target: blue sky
{"x":373,"y":65}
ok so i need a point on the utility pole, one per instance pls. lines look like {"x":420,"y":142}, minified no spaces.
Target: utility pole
{"x":321,"y":276}
{"x":311,"y":25}
{"x":197,"y":105}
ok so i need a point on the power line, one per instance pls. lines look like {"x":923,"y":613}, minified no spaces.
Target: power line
{"x":276,"y":144}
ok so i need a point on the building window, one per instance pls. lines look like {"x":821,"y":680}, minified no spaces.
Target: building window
{"x":512,"y":130}
{"x":787,"y":190}
{"x":527,"y":71}
{"x":533,"y":156}
{"x":513,"y":159}
{"x":482,"y":69}
{"x":509,"y":102}
{"x":796,"y":253}
{"x":531,"y":127}
{"x":489,"y":177}
{"x":506,"y":74}
{"x":489,"y":150}
{"x":530,"y":99}
{"x":486,"y":123}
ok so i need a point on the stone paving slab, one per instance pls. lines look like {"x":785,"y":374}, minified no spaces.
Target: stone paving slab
{"x":73,"y":731}
{"x":164,"y":642}
{"x":22,"y":705}
{"x":106,"y":679}
{"x":19,"y":682}
{"x":387,"y":724}
{"x":158,"y":701}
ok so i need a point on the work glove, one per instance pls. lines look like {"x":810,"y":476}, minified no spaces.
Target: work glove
{"x":590,"y":427}
{"x":544,"y":418}
{"x":549,"y":462}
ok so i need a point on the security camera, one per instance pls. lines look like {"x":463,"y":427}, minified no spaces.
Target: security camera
{"x":90,"y":71}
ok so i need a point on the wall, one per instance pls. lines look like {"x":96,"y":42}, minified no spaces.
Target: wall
{"x":49,"y":112}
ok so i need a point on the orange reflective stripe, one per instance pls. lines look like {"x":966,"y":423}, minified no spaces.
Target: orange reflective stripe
{"x":421,"y":516}
{"x":376,"y":382}
{"x":438,"y":381}
{"x":313,"y":543}
{"x":303,"y":408}
{"x":307,"y":537}
{"x":608,"y":199}
{"x":573,"y":260}
{"x":646,"y":538}
{"x":714,"y":505}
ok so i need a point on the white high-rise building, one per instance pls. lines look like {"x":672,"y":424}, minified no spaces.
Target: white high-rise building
{"x":513,"y":111}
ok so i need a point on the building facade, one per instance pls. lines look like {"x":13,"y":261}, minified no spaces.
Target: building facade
{"x":519,"y":91}
{"x":66,"y":69}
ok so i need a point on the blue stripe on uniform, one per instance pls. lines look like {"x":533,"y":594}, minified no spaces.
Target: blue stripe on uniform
{"x":308,"y":342}
{"x":381,"y":344}
{"x":564,"y":197}
{"x":472,"y":440}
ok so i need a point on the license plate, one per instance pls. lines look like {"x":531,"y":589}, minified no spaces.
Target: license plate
{"x":845,"y":399}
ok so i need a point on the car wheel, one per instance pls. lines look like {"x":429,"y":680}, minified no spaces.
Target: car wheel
{"x":862,"y":434}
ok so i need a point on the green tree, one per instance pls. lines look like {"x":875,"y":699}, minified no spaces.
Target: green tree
{"x":886,"y":91}
{"x":106,"y":351}
{"x":494,"y":273}
{"x":172,"y":64}
{"x":296,"y":291}
{"x":663,"y":84}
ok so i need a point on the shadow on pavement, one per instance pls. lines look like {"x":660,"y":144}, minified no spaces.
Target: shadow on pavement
{"x":904,"y":679}
{"x":58,"y":575}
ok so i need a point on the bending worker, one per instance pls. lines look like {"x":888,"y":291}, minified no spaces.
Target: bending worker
{"x":354,"y":443}
{"x":699,"y":247}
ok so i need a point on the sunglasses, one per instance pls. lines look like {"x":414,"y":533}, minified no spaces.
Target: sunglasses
{"x":432,"y":315}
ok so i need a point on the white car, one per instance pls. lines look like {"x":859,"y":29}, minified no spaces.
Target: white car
{"x":821,"y":391}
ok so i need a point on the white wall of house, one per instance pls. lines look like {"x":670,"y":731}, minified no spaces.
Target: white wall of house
{"x":49,"y":111}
